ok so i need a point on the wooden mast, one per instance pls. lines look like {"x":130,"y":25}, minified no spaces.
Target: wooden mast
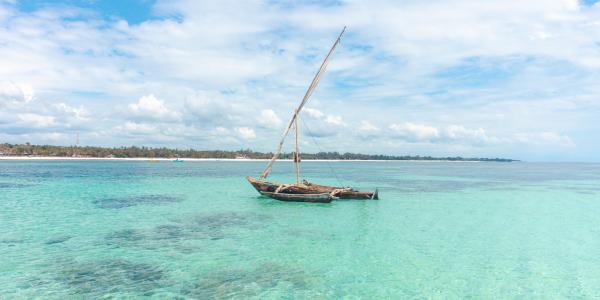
{"x":297,"y":158}
{"x":309,"y":92}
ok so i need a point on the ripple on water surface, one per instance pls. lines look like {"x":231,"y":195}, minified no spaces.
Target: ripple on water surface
{"x":58,"y":239}
{"x":9,"y":185}
{"x":9,"y":241}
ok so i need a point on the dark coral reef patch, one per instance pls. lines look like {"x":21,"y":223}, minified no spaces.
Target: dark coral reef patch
{"x":122,"y":202}
{"x":244,"y":283}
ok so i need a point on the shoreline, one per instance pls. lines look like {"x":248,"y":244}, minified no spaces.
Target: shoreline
{"x":148,"y":159}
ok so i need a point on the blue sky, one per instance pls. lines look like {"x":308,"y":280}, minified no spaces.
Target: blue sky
{"x":445,"y":78}
{"x":133,"y":11}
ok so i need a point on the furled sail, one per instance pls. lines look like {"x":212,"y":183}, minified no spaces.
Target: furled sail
{"x":309,"y":92}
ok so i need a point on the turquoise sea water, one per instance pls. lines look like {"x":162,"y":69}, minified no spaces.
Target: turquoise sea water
{"x":197,"y":230}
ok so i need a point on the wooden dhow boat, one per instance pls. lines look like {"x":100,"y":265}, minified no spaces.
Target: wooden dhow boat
{"x":302,"y":190}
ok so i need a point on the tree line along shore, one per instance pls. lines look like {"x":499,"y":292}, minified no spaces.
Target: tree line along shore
{"x":151,"y":152}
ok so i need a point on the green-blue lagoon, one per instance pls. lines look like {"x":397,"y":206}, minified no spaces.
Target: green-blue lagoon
{"x":198,"y":230}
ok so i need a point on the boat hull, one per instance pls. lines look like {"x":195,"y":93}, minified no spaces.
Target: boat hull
{"x":315,"y":198}
{"x":311,"y":188}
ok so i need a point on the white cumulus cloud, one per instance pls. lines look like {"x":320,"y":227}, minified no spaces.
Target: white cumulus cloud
{"x":246,"y":132}
{"x":12,"y":92}
{"x":465,"y":135}
{"x":335,"y":120}
{"x":453,"y":134}
{"x":415,"y":132}
{"x":79,"y":113}
{"x":140,"y":128}
{"x":543,"y":138}
{"x":152,"y":108}
{"x":36,"y":120}
{"x":367,"y":126}
{"x":314,"y":113}
{"x":269,"y":119}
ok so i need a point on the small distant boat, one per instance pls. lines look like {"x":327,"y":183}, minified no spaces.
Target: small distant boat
{"x":178,"y":160}
{"x":302,"y":190}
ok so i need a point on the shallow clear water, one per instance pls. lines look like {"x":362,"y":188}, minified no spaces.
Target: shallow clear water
{"x":88,"y":229}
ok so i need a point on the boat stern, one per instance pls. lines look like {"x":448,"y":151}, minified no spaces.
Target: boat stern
{"x":375,"y":195}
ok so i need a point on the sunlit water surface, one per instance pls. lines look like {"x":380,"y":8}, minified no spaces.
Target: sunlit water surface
{"x":91,"y":229}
